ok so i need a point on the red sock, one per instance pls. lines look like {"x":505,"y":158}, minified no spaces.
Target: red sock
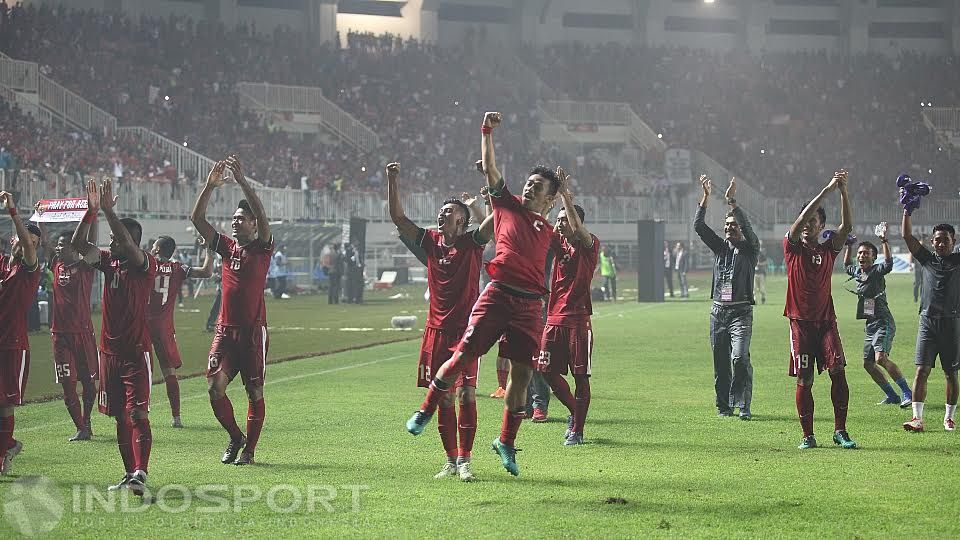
{"x":840,"y":395}
{"x":173,"y":394}
{"x":450,"y":370}
{"x":502,"y":377}
{"x":72,"y":401}
{"x":562,"y":390}
{"x":255,"y":414}
{"x":468,"y":427}
{"x":447,"y":426}
{"x":142,"y":443}
{"x":805,"y":408}
{"x":125,"y":443}
{"x":583,"y":402}
{"x":6,"y":434}
{"x":511,"y":425}
{"x":223,"y":410}
{"x":89,"y":396}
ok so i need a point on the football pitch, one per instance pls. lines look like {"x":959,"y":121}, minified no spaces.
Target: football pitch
{"x":335,"y":461}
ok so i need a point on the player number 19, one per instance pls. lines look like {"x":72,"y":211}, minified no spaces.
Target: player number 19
{"x":804,"y":361}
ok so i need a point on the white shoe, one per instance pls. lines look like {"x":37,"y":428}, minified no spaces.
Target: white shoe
{"x":285,"y":296}
{"x":949,"y":425}
{"x":138,"y":483}
{"x":122,"y":484}
{"x":449,"y":469}
{"x":465,"y":472}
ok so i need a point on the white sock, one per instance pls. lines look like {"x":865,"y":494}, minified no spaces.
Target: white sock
{"x":950,"y":410}
{"x":918,"y":410}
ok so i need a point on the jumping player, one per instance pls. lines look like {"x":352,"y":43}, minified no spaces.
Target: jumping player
{"x":74,"y":345}
{"x":567,"y":342}
{"x":814,"y":339}
{"x":939,"y":331}
{"x":19,"y":277}
{"x":510,"y":306}
{"x":453,"y":278}
{"x":125,"y":363}
{"x":166,"y":287}
{"x":240,"y":343}
{"x":872,"y":306}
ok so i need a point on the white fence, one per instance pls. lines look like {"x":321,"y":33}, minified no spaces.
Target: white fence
{"x":310,"y":100}
{"x":18,"y":75}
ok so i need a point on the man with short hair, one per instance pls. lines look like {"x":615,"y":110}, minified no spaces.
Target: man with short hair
{"x":939,"y":328}
{"x":731,"y":289}
{"x":19,"y":277}
{"x":125,"y":364}
{"x":567,"y":340}
{"x":241,"y":343}
{"x":814,"y":339}
{"x":872,"y":306}
{"x":510,"y":305}
{"x":74,"y":345}
{"x":453,"y":277}
{"x":169,"y":280}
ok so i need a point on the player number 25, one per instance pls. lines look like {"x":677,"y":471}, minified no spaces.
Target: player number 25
{"x":63,"y":371}
{"x":161,"y":285}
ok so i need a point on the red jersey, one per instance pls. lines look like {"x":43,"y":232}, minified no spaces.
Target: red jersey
{"x":809,"y":273}
{"x":244,"y":276}
{"x":169,"y":280}
{"x":453,"y":278}
{"x":126,"y":294}
{"x":523,"y":238}
{"x":71,"y":298}
{"x":573,"y":268}
{"x":18,"y":287}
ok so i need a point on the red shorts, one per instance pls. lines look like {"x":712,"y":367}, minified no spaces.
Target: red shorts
{"x":14,"y":369}
{"x":165,"y":347}
{"x":239,"y":350}
{"x":566,"y":347}
{"x":814,"y":343}
{"x":438,"y":346}
{"x":75,"y":356}
{"x":501,"y":314}
{"x":125,"y":381}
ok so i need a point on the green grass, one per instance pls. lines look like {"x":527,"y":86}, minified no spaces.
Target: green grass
{"x":654,"y":443}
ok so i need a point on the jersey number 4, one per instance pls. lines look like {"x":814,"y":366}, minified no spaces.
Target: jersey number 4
{"x":161,"y":285}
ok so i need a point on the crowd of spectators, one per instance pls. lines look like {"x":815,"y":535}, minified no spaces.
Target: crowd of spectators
{"x":778,"y":120}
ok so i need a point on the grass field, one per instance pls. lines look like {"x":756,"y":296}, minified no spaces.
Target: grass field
{"x":658,"y":463}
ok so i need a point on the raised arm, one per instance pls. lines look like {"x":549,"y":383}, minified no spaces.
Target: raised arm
{"x":484,"y":232}
{"x":263,"y":225}
{"x":204,"y":271}
{"x":746,"y":229}
{"x":23,"y":235}
{"x":906,"y":230}
{"x":810,"y":210}
{"x":494,"y":180}
{"x":81,"y":236}
{"x":847,"y":256}
{"x":199,"y":214}
{"x":577,"y":229}
{"x":709,"y":237}
{"x":846,"y":212}
{"x":408,"y":229}
{"x":885,"y":245}
{"x":475,"y":203}
{"x":124,"y":244}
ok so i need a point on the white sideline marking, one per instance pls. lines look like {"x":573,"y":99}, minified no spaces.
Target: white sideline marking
{"x":274,"y":381}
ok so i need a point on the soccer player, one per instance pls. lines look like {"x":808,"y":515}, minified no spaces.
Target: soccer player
{"x":166,"y":286}
{"x":19,"y":277}
{"x":74,"y":345}
{"x":731,"y":317}
{"x":939,"y":330}
{"x":510,"y":305}
{"x":125,"y":363}
{"x":567,"y":341}
{"x":453,"y":279}
{"x":872,"y":306}
{"x":814,"y":339}
{"x":240,"y":343}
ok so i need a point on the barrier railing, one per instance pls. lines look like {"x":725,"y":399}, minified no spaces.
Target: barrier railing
{"x":306,"y":99}
{"x":642,"y":134}
{"x":941,"y":118}
{"x":18,"y":74}
{"x":73,"y":108}
{"x":756,"y":206}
